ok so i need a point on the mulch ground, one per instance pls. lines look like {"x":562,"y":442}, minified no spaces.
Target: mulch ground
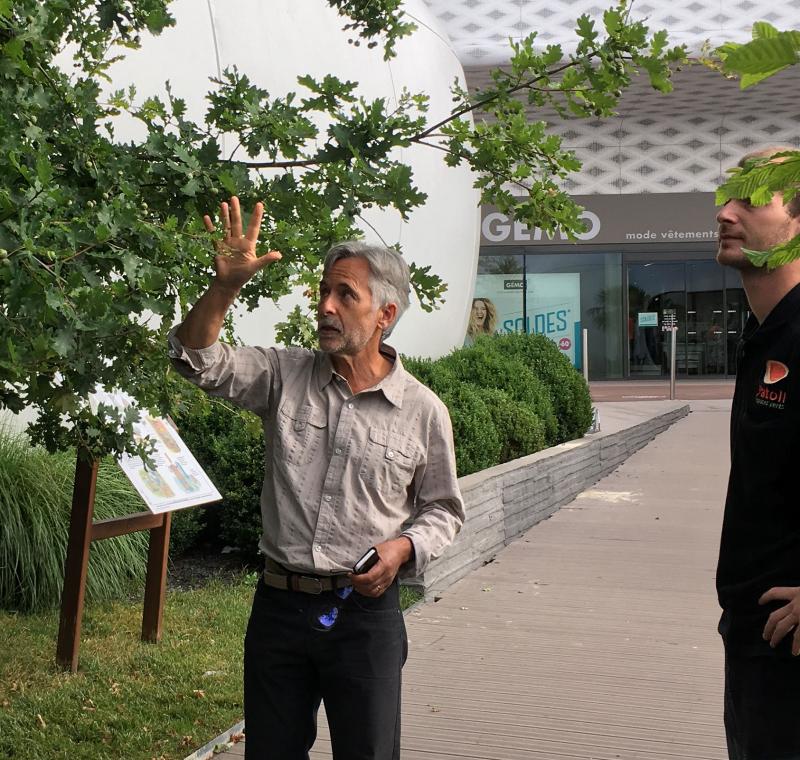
{"x":198,"y":567}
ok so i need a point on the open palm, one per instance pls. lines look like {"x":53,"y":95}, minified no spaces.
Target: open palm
{"x":237,"y":261}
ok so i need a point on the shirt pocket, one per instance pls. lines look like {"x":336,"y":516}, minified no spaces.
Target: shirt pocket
{"x":389,"y":461}
{"x":302,"y":431}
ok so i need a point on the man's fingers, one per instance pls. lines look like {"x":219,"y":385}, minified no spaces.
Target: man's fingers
{"x":236,"y":218}
{"x":208,"y":223}
{"x":254,"y":227}
{"x":225,"y":215}
{"x":777,"y":593}
{"x":268,"y":258}
{"x":781,"y":629}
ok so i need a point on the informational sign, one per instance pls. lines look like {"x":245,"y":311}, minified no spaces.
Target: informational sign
{"x":648,"y":319}
{"x":175,"y":480}
{"x":669,"y":320}
{"x":553,"y":307}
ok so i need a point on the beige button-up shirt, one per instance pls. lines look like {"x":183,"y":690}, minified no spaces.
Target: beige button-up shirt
{"x":342,"y":472}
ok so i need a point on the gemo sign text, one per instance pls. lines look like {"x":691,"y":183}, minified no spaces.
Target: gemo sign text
{"x":498,"y":228}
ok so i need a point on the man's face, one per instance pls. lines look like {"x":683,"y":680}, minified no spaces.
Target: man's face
{"x":346,"y":317}
{"x":757,"y":228}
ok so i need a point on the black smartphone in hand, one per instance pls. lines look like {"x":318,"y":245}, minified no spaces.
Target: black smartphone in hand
{"x":366,"y":561}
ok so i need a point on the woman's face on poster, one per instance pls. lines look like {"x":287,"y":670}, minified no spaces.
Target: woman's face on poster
{"x":479,"y":311}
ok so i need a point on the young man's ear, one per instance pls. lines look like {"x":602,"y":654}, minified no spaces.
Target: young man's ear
{"x":387,"y":316}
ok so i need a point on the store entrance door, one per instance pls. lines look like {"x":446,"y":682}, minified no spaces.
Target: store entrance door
{"x":693,"y":295}
{"x":655,"y":291}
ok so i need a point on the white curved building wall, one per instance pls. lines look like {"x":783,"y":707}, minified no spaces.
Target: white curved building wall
{"x":273,"y":43}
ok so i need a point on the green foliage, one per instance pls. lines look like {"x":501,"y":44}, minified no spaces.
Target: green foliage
{"x":491,"y":369}
{"x":477,"y":441}
{"x":517,"y":162}
{"x":567,"y":389}
{"x":101,"y":242}
{"x":769,"y":52}
{"x":35,"y":504}
{"x":508,"y":396}
{"x":520,"y":430}
{"x":185,"y":527}
{"x":375,"y":18}
{"x":229,"y":445}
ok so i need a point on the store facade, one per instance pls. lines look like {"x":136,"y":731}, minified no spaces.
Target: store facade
{"x":643,"y":261}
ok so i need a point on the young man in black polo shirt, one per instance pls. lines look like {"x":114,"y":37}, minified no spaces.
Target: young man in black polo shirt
{"x":758,"y":576}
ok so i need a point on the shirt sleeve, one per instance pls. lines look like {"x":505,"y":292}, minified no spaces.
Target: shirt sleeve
{"x":243,"y":375}
{"x":439,"y":505}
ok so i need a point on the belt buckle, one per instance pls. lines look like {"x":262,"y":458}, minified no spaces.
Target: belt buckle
{"x":309,"y":585}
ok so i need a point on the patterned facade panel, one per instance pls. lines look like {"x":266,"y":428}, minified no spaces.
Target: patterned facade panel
{"x":692,"y":160}
{"x":680,"y":142}
{"x":480,"y":29}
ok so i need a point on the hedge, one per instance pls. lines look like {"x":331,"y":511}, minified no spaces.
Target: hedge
{"x":508,"y":396}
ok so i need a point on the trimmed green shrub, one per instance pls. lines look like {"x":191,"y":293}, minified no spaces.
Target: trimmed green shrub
{"x":433,"y":373}
{"x":494,"y":369}
{"x":508,"y":396}
{"x":35,"y":505}
{"x":186,"y":526}
{"x":520,"y":430}
{"x":229,"y":445}
{"x":566,"y":386}
{"x":477,"y":442}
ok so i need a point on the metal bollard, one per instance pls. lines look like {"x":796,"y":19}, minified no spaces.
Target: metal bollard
{"x":585,"y":354}
{"x":673,"y":341}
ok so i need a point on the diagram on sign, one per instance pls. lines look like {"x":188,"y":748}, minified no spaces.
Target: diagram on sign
{"x":175,"y":479}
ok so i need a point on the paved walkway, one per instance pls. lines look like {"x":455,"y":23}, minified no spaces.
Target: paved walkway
{"x":650,"y":390}
{"x":593,"y":636}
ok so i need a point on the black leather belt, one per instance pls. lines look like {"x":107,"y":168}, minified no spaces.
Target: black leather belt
{"x":277,"y":576}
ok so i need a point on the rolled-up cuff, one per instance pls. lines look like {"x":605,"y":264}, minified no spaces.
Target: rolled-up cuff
{"x":197,"y":359}
{"x":417,"y":564}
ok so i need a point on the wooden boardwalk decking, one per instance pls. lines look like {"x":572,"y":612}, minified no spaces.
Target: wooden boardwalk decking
{"x":593,"y":636}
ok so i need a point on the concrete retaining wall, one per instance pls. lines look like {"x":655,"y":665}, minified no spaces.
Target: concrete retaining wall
{"x":504,"y":501}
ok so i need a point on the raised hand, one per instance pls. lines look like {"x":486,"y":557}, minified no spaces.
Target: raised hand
{"x":236,"y":261}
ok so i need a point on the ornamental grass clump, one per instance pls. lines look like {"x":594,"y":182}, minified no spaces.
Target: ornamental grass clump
{"x":35,"y":505}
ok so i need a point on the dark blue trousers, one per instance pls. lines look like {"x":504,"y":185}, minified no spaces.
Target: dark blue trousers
{"x":290,"y":665}
{"x":762,"y":707}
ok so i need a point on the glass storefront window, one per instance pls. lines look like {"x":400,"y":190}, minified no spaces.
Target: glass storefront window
{"x":705,"y":319}
{"x":706,"y":303}
{"x":597,"y":279}
{"x":558,"y":295}
{"x":623,"y":301}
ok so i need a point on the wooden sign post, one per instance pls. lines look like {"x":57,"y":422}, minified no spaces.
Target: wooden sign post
{"x":82,"y":531}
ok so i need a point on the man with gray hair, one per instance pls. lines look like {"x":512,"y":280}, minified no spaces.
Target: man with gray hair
{"x":758,"y":575}
{"x":359,"y":457}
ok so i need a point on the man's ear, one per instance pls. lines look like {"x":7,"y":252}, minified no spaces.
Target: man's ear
{"x":386,"y":316}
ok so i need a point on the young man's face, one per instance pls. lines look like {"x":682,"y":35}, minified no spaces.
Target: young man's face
{"x":757,"y":228}
{"x":346,"y":316}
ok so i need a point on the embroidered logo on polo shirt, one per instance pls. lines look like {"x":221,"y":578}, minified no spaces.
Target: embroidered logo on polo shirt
{"x":772,"y":398}
{"x":775,"y":372}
